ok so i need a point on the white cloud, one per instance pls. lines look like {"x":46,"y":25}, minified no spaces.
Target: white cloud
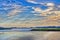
{"x":51,"y":9}
{"x":42,"y":3}
{"x":16,"y":10}
{"x":50,"y":4}
{"x":32,"y":1}
{"x":43,"y":12}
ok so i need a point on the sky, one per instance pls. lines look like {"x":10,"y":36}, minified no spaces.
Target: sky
{"x":29,"y":13}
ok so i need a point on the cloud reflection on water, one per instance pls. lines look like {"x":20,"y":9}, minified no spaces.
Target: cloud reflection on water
{"x":29,"y":35}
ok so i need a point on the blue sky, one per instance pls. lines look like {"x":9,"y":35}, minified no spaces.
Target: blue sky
{"x":28,"y":13}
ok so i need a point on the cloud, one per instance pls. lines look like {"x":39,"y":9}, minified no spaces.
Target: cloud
{"x":37,"y":10}
{"x":32,"y":1}
{"x":51,"y":11}
{"x":50,"y":20}
{"x":50,"y":4}
{"x":10,"y":11}
{"x":58,"y":6}
{"x":10,"y":17}
{"x":43,"y":12}
{"x":17,"y":9}
{"x":47,"y":22}
{"x":51,"y":15}
{"x":41,"y":2}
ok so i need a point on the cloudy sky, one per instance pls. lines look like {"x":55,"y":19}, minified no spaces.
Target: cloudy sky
{"x":27,"y":13}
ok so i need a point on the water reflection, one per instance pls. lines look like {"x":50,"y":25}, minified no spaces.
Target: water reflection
{"x":28,"y":35}
{"x":21,"y":38}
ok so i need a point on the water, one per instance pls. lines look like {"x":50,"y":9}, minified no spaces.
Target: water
{"x":26,"y":35}
{"x":18,"y":29}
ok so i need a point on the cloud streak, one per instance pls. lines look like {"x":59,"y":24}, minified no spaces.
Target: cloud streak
{"x":32,"y":1}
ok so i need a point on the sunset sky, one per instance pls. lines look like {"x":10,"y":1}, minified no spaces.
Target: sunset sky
{"x":29,"y":13}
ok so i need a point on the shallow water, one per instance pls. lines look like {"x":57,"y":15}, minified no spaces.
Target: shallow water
{"x":26,"y":35}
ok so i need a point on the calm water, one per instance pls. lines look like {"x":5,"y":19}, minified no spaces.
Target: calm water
{"x":18,"y":29}
{"x":24,"y":35}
